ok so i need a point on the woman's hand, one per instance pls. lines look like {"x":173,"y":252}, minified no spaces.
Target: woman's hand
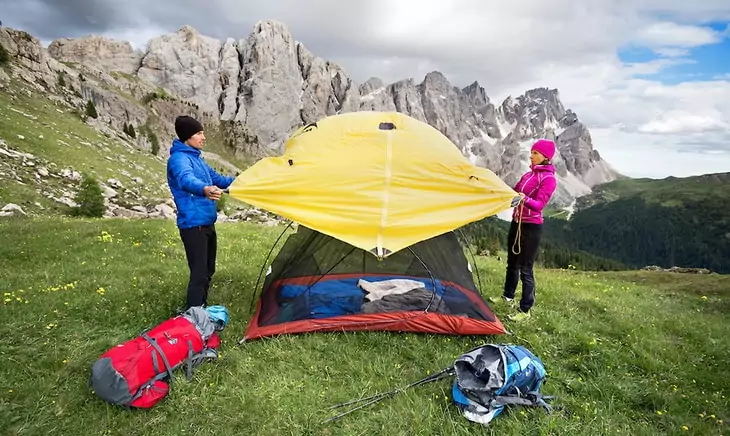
{"x":517,"y":200}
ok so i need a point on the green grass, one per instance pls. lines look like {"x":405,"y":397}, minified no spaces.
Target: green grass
{"x":59,"y":139}
{"x":636,"y":353}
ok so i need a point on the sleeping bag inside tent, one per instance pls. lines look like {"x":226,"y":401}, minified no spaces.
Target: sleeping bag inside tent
{"x":320,"y":283}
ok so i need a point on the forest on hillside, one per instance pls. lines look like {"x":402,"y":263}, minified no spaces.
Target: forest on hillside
{"x":628,"y":233}
{"x":490,"y":236}
{"x":638,"y":233}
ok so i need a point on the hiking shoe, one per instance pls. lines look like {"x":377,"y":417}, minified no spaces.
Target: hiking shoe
{"x":500,"y":299}
{"x":519,"y":316}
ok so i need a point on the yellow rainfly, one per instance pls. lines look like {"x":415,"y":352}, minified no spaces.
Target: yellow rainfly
{"x":380,"y":181}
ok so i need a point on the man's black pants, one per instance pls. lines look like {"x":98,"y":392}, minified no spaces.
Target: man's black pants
{"x":200,"y":248}
{"x":520,"y":266}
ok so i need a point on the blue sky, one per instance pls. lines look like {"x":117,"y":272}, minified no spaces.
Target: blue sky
{"x":701,"y":63}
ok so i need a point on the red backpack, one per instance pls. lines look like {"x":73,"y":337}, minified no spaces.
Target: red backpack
{"x":134,"y":373}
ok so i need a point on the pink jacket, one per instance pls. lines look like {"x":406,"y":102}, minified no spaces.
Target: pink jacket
{"x":538,"y":185}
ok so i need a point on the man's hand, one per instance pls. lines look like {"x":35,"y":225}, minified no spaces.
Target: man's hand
{"x":212,"y":192}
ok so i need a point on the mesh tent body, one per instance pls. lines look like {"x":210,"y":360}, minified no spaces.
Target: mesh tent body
{"x":320,"y":283}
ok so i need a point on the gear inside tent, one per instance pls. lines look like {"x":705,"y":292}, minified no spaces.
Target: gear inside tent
{"x":319,"y":283}
{"x":377,"y":197}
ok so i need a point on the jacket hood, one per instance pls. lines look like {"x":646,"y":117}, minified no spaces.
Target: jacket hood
{"x":181,"y":147}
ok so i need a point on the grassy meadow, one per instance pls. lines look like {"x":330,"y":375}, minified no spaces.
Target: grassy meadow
{"x":640,"y":353}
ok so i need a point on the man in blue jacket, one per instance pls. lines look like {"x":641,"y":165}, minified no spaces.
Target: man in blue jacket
{"x":195,"y":189}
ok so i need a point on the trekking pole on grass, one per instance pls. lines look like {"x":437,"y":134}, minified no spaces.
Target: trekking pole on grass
{"x":378,"y":397}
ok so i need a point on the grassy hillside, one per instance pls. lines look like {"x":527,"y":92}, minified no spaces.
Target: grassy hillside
{"x":639,"y":353}
{"x":42,"y":141}
{"x":667,"y":192}
{"x":58,"y":139}
{"x":670,"y":222}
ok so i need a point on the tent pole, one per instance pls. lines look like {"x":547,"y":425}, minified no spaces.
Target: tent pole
{"x":433,"y":280}
{"x":473,"y":258}
{"x":263,"y":266}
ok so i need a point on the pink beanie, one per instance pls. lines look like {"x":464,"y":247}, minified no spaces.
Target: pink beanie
{"x":545,"y":147}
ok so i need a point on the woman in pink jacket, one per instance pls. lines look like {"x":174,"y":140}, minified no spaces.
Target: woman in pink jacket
{"x":536,"y":188}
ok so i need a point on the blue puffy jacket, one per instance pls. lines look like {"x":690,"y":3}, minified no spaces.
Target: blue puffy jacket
{"x":187,"y":175}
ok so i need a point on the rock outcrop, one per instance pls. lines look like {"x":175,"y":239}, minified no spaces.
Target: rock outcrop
{"x":186,"y":64}
{"x":327,"y":89}
{"x":105,"y":53}
{"x":677,"y":269}
{"x":32,"y":63}
{"x":271,"y":84}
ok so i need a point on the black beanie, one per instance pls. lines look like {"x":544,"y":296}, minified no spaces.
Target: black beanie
{"x":186,"y":126}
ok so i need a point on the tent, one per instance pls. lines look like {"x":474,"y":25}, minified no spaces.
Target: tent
{"x":376,"y":196}
{"x":320,"y":283}
{"x":380,"y":181}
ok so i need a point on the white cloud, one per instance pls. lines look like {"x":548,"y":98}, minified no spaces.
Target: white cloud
{"x":674,"y":129}
{"x":657,"y":156}
{"x":137,"y":37}
{"x":681,"y":121}
{"x":670,"y":34}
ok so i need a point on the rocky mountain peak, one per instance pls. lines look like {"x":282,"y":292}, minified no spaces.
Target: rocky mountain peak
{"x":32,"y":62}
{"x":22,"y":45}
{"x":436,"y":78}
{"x":188,"y":33}
{"x":533,"y":113}
{"x":371,"y":85}
{"x":272,"y":29}
{"x":476,"y":94}
{"x":268,"y":84}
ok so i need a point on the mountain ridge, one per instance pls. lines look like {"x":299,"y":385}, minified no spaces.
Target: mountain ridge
{"x":67,"y":114}
{"x":271,"y":83}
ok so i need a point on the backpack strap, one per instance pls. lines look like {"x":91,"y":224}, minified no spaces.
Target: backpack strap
{"x":195,"y":359}
{"x":162,"y":354}
{"x":155,"y":363}
{"x":532,"y":398}
{"x":161,"y":375}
